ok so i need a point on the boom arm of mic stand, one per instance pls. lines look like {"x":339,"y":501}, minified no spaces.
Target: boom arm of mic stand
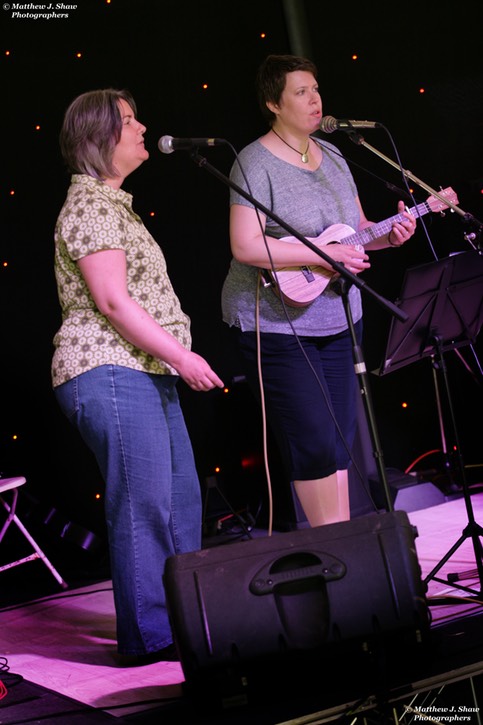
{"x":337,"y":266}
{"x":360,"y":141}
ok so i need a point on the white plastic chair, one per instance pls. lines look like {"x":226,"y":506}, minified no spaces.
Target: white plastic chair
{"x":13,"y":484}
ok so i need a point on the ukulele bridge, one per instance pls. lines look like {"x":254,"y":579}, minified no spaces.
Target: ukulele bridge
{"x":308,"y":274}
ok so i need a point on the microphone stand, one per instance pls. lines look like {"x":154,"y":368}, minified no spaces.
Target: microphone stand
{"x":360,"y":141}
{"x":347,"y":278}
{"x":473,"y":530}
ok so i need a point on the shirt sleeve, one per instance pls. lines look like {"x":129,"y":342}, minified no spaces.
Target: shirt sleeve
{"x":92,"y":225}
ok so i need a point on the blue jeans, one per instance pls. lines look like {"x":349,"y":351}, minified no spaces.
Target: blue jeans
{"x":133,"y":423}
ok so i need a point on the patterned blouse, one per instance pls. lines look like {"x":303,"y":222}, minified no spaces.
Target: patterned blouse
{"x":97,"y":217}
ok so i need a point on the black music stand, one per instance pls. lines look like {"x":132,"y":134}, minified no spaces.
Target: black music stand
{"x":444,"y":303}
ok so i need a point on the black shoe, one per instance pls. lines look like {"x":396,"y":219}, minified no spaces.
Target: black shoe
{"x":167,"y":654}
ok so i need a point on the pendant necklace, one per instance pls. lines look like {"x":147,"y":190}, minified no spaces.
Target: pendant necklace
{"x":304,"y":157}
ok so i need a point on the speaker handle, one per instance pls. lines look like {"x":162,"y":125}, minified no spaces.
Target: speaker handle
{"x":265,"y":581}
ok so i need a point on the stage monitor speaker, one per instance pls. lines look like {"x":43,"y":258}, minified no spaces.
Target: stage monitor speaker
{"x":286,"y":608}
{"x":407,"y":493}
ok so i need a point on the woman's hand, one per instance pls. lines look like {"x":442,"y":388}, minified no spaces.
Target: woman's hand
{"x":353,"y":258}
{"x":196,"y":372}
{"x":402,"y":231}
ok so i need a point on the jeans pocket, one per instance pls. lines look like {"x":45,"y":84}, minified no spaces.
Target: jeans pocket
{"x":67,"y":396}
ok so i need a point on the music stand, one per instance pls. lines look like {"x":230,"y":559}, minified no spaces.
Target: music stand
{"x":444,"y":303}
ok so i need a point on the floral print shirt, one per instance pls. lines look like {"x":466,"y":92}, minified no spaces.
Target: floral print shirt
{"x":97,"y":217}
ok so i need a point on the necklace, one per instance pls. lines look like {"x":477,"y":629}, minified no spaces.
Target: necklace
{"x":304,"y":156}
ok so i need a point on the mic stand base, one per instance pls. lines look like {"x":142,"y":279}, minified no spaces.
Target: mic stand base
{"x":472,"y":530}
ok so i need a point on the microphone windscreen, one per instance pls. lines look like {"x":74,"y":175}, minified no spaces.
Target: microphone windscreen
{"x":165,"y":145}
{"x":329,"y":124}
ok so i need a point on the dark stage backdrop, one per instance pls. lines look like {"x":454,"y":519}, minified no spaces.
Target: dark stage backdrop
{"x":191,"y":65}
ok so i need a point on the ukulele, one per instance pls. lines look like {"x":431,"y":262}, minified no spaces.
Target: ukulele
{"x":299,"y":286}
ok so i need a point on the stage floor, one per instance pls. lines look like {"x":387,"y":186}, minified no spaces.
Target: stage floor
{"x":65,"y":642}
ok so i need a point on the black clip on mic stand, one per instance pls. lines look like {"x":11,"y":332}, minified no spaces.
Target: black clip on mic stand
{"x":346,"y":280}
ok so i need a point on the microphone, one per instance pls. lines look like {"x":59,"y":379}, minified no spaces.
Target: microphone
{"x":168,"y":144}
{"x":329,"y":124}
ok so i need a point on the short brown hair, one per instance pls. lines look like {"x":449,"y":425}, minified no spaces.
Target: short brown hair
{"x":272,"y":77}
{"x":91,"y":129}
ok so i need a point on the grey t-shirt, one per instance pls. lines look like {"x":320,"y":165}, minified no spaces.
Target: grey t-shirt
{"x":309,"y":201}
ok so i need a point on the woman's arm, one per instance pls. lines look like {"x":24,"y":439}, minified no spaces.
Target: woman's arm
{"x":105,"y":275}
{"x":248,"y":246}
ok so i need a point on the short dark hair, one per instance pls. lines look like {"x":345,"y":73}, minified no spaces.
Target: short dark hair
{"x":91,"y":129}
{"x":272,"y":77}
